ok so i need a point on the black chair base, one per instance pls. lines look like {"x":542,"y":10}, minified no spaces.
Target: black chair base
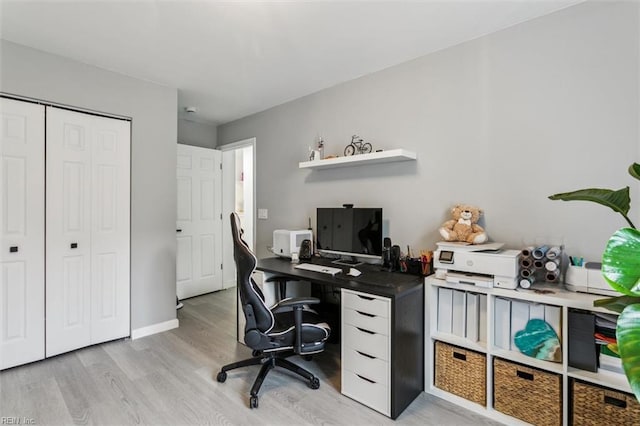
{"x":268,"y":362}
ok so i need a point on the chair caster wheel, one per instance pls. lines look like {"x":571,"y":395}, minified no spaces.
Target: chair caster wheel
{"x":253,"y":402}
{"x":314,"y":383}
{"x":255,"y":353}
{"x":222,"y":376}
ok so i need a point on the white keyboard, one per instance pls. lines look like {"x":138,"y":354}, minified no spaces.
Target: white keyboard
{"x":318,"y":268}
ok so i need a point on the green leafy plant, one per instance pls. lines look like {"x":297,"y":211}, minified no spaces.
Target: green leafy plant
{"x":621,"y":269}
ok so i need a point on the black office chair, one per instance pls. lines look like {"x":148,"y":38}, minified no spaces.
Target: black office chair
{"x":275,"y":333}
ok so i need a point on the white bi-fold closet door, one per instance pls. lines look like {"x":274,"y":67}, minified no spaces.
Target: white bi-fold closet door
{"x":83,"y":266}
{"x":87,"y":229}
{"x":22,"y":233}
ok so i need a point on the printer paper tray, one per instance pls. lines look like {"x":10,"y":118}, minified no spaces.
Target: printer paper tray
{"x":472,"y":279}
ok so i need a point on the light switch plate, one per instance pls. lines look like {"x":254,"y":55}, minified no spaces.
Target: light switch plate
{"x":263,"y":214}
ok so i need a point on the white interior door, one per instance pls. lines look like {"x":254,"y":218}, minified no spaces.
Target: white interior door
{"x":87,"y":230}
{"x":110,"y":224}
{"x":199,"y":221}
{"x":22,"y":233}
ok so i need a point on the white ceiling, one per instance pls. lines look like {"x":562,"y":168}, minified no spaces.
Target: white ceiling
{"x":234,"y":58}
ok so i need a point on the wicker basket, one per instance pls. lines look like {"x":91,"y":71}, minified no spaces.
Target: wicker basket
{"x":461,"y":372}
{"x":594,"y":405}
{"x":529,"y":394}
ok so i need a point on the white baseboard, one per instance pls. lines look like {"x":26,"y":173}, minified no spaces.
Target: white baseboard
{"x":155,"y":328}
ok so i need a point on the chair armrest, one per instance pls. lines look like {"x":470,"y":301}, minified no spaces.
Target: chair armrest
{"x":296,"y":301}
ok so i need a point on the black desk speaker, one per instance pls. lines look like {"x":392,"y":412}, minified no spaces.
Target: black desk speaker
{"x":395,"y":258}
{"x":386,"y":253}
{"x":306,"y":251}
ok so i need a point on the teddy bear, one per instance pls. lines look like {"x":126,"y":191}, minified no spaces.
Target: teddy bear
{"x":464,"y":225}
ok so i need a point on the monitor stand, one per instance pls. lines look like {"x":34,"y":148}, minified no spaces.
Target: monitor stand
{"x":345,"y":261}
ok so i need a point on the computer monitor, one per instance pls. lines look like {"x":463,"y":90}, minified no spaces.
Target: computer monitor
{"x":350,"y":232}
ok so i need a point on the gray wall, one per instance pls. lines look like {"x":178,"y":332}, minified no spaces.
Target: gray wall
{"x":501,"y":122}
{"x":197,"y":134}
{"x":153,"y":109}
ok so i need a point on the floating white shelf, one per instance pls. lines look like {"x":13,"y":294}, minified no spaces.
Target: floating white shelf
{"x":361,"y":159}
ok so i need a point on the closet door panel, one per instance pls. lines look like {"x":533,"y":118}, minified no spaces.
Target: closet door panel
{"x":21,"y":233}
{"x":68,"y":231}
{"x":110,"y":230}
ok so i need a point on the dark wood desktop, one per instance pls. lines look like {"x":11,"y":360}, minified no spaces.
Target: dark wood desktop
{"x":406,"y":293}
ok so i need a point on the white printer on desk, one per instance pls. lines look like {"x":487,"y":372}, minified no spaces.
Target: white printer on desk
{"x":286,"y":242}
{"x":484,"y":265}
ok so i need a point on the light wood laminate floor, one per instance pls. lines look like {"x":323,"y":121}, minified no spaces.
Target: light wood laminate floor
{"x":169,"y":379}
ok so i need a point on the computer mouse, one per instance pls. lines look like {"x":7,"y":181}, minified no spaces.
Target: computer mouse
{"x":354,"y":272}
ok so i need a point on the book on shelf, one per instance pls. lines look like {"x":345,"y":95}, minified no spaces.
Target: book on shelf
{"x":552,"y":316}
{"x":502,"y":323}
{"x":445,"y":310}
{"x":458,"y":320}
{"x":482,"y":318}
{"x":519,"y":319}
{"x":536,"y":311}
{"x":473,"y":316}
{"x":610,"y":363}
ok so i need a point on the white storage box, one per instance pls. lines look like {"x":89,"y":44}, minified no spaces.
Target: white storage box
{"x":587,"y":280}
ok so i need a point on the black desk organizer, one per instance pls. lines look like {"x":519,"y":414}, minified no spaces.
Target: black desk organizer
{"x":414,"y":266}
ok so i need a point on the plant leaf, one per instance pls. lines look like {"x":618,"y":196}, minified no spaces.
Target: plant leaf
{"x":628,"y":336}
{"x":621,"y":261}
{"x":616,"y":304}
{"x":618,"y":201}
{"x":634,"y":170}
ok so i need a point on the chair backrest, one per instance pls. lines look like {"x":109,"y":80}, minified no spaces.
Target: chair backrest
{"x":250,"y":293}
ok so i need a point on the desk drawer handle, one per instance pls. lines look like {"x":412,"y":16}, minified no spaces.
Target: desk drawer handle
{"x":13,"y":249}
{"x":365,"y":379}
{"x":366,"y":331}
{"x":365,"y":297}
{"x":366,"y":355}
{"x":366,"y":314}
{"x":73,"y":245}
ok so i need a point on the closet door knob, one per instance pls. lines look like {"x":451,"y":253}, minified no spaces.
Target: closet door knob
{"x":178,"y":230}
{"x":13,"y":249}
{"x":74,"y":245}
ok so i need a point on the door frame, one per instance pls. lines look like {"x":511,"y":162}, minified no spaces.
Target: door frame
{"x":229,"y":187}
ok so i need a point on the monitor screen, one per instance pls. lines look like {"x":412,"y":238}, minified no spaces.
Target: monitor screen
{"x":350,"y":231}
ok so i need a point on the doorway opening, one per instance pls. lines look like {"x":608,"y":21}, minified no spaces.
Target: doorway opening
{"x":238,"y":195}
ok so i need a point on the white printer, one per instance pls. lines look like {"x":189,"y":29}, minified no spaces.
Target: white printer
{"x":484,"y":265}
{"x":286,"y":242}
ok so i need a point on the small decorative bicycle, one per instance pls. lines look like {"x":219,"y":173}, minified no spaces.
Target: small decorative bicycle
{"x":357,"y":146}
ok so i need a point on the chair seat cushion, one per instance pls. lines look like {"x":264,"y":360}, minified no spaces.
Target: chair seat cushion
{"x":314,"y":329}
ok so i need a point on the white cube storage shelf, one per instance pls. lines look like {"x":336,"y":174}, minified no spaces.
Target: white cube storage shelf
{"x":555,"y":305}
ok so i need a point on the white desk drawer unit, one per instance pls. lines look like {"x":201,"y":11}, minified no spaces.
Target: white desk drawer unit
{"x":366,"y":349}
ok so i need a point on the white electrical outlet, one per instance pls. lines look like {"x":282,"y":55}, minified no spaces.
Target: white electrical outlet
{"x":263,"y":214}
